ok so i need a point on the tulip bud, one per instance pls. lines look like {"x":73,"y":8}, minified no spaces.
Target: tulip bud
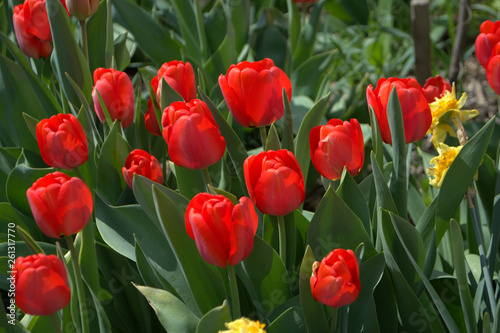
{"x":335,"y":281}
{"x":435,"y":87}
{"x":274,"y":181}
{"x":336,"y":145}
{"x":62,"y":141}
{"x":142,"y":163}
{"x":192,"y":135}
{"x":254,"y":92}
{"x":41,"y":284}
{"x":223,"y":232}
{"x":417,"y":116}
{"x":82,"y":9}
{"x":61,"y":205}
{"x":117,"y":93}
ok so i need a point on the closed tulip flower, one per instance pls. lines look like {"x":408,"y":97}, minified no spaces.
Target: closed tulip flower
{"x":142,"y":163}
{"x":82,"y":9}
{"x":117,"y":94}
{"x":274,"y":181}
{"x":180,"y":76}
{"x":435,"y":87}
{"x":62,"y":141}
{"x":31,"y":25}
{"x":223,"y":232}
{"x":417,"y":116}
{"x":336,"y":145}
{"x":254,"y":92}
{"x":41,"y":284}
{"x":61,"y":205}
{"x":487,"y":40}
{"x":335,"y":281}
{"x":192,"y":135}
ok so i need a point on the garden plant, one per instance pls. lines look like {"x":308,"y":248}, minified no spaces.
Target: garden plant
{"x":249,"y":166}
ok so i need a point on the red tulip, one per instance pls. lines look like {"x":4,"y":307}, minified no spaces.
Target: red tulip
{"x":150,"y":117}
{"x":82,"y":9}
{"x":336,"y":145}
{"x":41,"y":284}
{"x":192,"y":135}
{"x":435,"y":87}
{"x":254,"y":92}
{"x":61,"y":205}
{"x":486,"y":41}
{"x":417,"y":115}
{"x":31,"y":25}
{"x":335,"y":281}
{"x":142,"y":163}
{"x":223,"y":232}
{"x":493,"y":69}
{"x":274,"y":181}
{"x":180,"y":76}
{"x":62,"y":141}
{"x":117,"y":94}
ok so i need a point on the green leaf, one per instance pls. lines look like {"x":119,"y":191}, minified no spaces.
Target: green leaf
{"x":215,"y":319}
{"x":114,"y":153}
{"x":350,"y":193}
{"x":287,"y":139}
{"x":122,"y":56}
{"x":461,"y":273}
{"x":459,"y":177}
{"x":172,"y":313}
{"x":314,"y":312}
{"x":234,"y":146}
{"x":291,"y":320}
{"x":190,"y":182}
{"x":203,"y":279}
{"x":410,"y":307}
{"x":168,"y":94}
{"x":334,"y":225}
{"x":486,"y":182}
{"x":264,"y":275}
{"x":47,"y":100}
{"x":17,"y":97}
{"x":307,"y":37}
{"x":153,"y":39}
{"x":67,"y":58}
{"x":273,"y":140}
{"x":384,"y":197}
{"x":377,"y":143}
{"x":312,"y":119}
{"x":20,"y":179}
{"x":398,"y":177}
{"x":96,"y":25}
{"x":188,"y":21}
{"x":362,"y":313}
{"x":308,"y":77}
{"x":438,"y":303}
{"x":123,"y":226}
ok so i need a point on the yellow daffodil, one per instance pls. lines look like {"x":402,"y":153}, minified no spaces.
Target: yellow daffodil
{"x":446,"y":115}
{"x":442,"y":163}
{"x":244,"y":325}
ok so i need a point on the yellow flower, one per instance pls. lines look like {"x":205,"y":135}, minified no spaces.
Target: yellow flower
{"x":244,"y":325}
{"x":446,"y":115}
{"x":442,"y":163}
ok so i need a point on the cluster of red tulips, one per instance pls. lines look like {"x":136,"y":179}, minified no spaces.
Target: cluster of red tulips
{"x":488,"y":52}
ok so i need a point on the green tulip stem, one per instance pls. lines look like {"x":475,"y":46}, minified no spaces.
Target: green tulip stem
{"x":282,"y":238}
{"x":263,"y":136}
{"x":333,"y":322}
{"x":55,"y":323}
{"x":208,"y":181}
{"x":79,"y":284}
{"x":235,"y":297}
{"x":83,"y":35}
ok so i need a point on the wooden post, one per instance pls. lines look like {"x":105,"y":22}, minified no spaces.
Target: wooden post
{"x":421,"y":38}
